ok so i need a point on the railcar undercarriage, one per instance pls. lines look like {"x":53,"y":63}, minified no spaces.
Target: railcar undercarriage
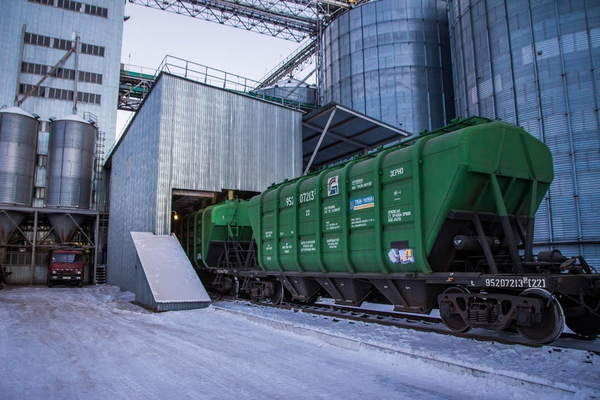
{"x":538,"y":305}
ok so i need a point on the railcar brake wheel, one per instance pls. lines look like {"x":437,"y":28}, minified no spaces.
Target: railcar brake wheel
{"x":585,"y":324}
{"x":553,"y":318}
{"x":455,"y":321}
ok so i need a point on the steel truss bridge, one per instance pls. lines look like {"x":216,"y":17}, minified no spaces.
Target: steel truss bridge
{"x":296,"y":20}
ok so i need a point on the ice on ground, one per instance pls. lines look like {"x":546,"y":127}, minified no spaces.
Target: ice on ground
{"x":91,"y":343}
{"x":576,"y":369}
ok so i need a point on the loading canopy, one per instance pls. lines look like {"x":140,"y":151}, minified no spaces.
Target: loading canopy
{"x":334,"y":132}
{"x":173,"y":282}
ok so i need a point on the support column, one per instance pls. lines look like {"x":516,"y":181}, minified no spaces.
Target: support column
{"x":314,"y":154}
{"x":96,"y":249}
{"x":33,"y":245}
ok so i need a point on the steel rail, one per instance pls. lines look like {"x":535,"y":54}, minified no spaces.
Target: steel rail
{"x":424,"y":323}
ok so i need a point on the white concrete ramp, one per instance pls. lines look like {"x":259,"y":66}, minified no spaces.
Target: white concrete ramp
{"x":171,"y":278}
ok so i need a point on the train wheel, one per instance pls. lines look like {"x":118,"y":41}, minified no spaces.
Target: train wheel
{"x":585,"y":323}
{"x":553,"y":319}
{"x":278,"y":296}
{"x":454,"y":320}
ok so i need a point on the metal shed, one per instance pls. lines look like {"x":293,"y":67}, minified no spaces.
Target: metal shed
{"x":188,"y":136}
{"x":334,"y":133}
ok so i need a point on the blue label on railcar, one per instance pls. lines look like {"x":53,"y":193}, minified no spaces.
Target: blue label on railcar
{"x":333,"y":186}
{"x":362,"y":202}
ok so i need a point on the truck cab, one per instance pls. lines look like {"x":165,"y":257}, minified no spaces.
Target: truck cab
{"x":66,"y":266}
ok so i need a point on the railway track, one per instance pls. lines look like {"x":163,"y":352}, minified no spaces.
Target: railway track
{"x":426,"y":323}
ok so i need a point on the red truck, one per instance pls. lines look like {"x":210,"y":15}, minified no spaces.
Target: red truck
{"x":66,"y":266}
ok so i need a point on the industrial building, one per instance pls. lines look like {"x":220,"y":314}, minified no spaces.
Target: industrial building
{"x":37,"y":35}
{"x":384,"y":69}
{"x":59,"y":90}
{"x":187,"y":147}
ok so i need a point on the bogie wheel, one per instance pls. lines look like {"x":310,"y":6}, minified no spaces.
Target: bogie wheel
{"x":279,"y":293}
{"x":585,"y":323}
{"x":553,"y":318}
{"x":455,"y":320}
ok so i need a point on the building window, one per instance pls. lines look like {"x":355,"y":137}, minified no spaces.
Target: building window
{"x":69,"y":5}
{"x":59,"y":94}
{"x":96,"y":10}
{"x":92,"y":49}
{"x":76,"y":6}
{"x":37,"y":40}
{"x":62,"y":44}
{"x":61,"y":73}
{"x":25,"y":88}
{"x":44,"y":2}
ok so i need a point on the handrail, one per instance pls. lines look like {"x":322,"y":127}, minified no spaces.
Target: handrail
{"x":222,"y":79}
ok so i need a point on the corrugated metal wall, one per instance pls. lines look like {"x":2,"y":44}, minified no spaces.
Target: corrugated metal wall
{"x":193,"y":137}
{"x":390,"y":59}
{"x":212,"y":139}
{"x":536,"y":63}
{"x":133,"y":184}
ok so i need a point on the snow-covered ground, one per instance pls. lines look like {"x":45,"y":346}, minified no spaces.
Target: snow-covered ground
{"x":91,"y":343}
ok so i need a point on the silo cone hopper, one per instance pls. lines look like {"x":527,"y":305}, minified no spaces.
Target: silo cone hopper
{"x":64,"y":225}
{"x":9,"y":221}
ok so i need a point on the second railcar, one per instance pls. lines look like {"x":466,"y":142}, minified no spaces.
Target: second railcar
{"x":219,"y":236}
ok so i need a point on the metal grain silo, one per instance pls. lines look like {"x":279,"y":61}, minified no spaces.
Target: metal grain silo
{"x":390,"y":59}
{"x":18,"y":143}
{"x":291,"y":89}
{"x":537,"y":64}
{"x":70,"y":169}
{"x":70,"y":163}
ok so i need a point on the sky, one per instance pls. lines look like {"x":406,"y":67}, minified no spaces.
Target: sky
{"x":149,"y":35}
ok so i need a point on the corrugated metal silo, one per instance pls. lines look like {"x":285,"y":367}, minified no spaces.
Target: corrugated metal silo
{"x":70,"y":163}
{"x":390,"y":59}
{"x":70,"y":168}
{"x":293,"y":90}
{"x":18,"y":143}
{"x":536,"y":63}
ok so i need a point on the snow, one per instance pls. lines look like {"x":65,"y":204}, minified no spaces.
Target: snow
{"x":574,"y":370}
{"x":16,"y":110}
{"x":92,"y":343}
{"x":73,"y":117}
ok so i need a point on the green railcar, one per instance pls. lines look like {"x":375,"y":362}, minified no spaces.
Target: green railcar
{"x":212,"y":235}
{"x":392,"y":212}
{"x":444,"y":219}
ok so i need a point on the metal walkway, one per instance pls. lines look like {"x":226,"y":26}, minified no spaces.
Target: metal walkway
{"x":136,"y":82}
